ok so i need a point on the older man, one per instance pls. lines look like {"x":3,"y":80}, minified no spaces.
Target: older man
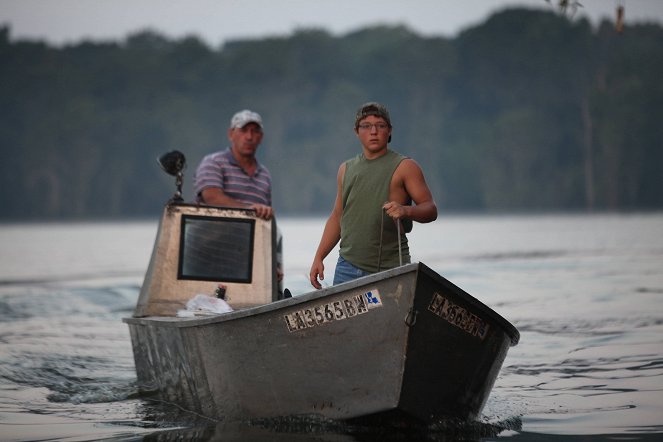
{"x":233,"y":177}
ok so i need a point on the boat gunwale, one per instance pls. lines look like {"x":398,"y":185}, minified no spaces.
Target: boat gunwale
{"x":174,"y":321}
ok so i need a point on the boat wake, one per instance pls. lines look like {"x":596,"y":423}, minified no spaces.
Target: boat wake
{"x":443,"y":430}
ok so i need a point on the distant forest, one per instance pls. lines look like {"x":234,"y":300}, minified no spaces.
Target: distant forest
{"x":528,"y":111}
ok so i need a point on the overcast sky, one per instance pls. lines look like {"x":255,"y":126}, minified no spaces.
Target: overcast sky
{"x":215,"y":21}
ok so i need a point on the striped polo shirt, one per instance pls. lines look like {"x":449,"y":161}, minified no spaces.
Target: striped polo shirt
{"x":221,"y":170}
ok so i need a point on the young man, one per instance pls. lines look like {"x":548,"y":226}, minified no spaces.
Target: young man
{"x":233,"y":177}
{"x":375,"y":190}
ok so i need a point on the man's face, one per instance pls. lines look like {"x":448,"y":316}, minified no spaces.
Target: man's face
{"x":245,"y":140}
{"x":373,"y":133}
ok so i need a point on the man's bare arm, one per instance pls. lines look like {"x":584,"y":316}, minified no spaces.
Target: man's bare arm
{"x":414,"y":183}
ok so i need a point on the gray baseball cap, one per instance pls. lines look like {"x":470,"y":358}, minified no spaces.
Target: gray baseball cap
{"x":372,"y":108}
{"x":242,"y":118}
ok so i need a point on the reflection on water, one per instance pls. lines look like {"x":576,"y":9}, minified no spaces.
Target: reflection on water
{"x":585,"y":293}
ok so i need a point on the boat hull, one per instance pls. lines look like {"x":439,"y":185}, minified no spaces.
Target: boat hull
{"x":405,"y":344}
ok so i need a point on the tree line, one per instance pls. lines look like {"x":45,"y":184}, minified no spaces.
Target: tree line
{"x":528,"y":111}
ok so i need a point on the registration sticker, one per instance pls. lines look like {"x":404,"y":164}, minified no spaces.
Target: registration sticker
{"x":324,"y":313}
{"x":458,"y":316}
{"x":373,"y":299}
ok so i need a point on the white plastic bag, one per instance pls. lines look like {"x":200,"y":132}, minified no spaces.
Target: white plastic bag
{"x":202,"y":304}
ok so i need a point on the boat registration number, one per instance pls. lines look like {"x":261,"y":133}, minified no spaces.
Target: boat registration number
{"x":338,"y":310}
{"x":458,"y":316}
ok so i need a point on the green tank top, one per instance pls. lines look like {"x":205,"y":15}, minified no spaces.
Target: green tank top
{"x":365,"y":189}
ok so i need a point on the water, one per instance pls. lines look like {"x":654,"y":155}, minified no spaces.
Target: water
{"x":586,"y":293}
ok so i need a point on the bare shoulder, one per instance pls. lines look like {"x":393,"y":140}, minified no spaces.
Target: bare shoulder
{"x":409,"y":162}
{"x":408,"y":167}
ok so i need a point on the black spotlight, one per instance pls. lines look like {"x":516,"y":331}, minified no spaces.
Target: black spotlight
{"x":173,"y":163}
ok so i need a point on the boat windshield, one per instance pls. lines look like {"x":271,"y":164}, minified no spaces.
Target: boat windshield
{"x":216,"y":249}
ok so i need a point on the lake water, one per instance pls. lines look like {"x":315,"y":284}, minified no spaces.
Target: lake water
{"x":585,"y":292}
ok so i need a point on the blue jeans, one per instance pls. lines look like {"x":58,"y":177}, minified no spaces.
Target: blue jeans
{"x":345,"y":271}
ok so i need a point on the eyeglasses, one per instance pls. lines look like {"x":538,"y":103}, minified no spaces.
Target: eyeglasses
{"x":369,"y":126}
